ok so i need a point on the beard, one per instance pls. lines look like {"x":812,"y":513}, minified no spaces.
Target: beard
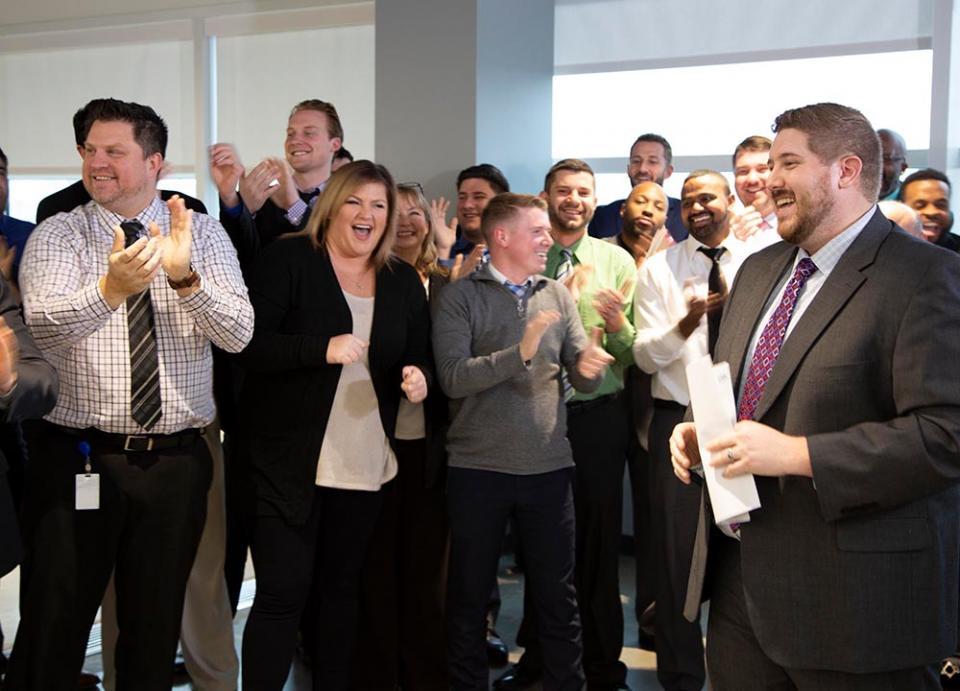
{"x":637,"y":179}
{"x":569,"y":225}
{"x":708,"y":231}
{"x":810,"y":211}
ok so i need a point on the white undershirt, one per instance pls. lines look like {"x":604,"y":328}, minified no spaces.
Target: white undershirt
{"x":356,"y":453}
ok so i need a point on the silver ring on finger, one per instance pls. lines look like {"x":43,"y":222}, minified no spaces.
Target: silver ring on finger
{"x":730,"y":456}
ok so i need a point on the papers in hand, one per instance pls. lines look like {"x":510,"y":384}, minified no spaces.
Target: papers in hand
{"x":714,"y":414}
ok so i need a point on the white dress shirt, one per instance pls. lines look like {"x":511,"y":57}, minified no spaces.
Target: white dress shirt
{"x":661,"y":303}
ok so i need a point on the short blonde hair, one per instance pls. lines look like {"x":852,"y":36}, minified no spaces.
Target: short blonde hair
{"x":341,"y":185}
{"x":504,"y":207}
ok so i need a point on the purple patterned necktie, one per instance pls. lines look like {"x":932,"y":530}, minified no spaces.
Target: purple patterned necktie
{"x":768,"y":345}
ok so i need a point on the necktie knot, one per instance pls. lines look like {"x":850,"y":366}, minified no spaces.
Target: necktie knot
{"x":518,"y":289}
{"x":131,"y":230}
{"x":805,"y":269}
{"x":713,"y":253}
{"x":565,"y":267}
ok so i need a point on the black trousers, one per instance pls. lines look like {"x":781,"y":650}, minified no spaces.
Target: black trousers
{"x":738,"y":663}
{"x":324,"y":554}
{"x":479,"y":505}
{"x":599,"y":435}
{"x":148,"y":526}
{"x":240,"y":502}
{"x":675,"y":510}
{"x":402,"y":638}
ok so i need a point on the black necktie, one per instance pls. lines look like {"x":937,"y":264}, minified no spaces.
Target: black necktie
{"x":714,"y":285}
{"x":144,"y":365}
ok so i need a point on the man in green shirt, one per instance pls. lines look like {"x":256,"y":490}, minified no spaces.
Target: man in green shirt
{"x":600,"y":276}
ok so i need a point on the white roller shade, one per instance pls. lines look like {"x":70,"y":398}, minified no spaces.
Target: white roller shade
{"x":43,"y":89}
{"x":260,"y":77}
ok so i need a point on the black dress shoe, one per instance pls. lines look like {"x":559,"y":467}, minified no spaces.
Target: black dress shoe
{"x":497,"y":653}
{"x":517,"y":678}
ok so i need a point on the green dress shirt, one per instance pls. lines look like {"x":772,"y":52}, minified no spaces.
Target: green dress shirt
{"x":611,"y":268}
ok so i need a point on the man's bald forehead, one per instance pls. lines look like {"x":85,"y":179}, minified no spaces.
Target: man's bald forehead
{"x":650,"y":188}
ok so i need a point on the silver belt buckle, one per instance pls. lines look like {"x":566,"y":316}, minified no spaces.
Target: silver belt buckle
{"x":131,"y":437}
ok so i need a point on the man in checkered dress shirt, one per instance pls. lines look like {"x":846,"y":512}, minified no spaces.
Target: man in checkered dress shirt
{"x":77,"y":276}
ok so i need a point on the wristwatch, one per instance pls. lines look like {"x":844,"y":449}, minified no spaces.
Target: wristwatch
{"x":192,"y":279}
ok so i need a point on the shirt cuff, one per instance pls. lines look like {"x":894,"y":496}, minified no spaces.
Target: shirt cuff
{"x":233,"y":210}
{"x":199,"y":301}
{"x":296,"y":212}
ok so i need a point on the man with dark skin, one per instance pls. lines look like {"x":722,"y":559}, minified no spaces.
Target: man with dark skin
{"x":894,"y":163}
{"x":643,"y":215}
{"x":680,"y":294}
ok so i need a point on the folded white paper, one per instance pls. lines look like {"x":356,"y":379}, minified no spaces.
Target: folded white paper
{"x":714,"y":414}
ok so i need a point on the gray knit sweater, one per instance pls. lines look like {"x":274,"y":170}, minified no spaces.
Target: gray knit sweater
{"x":506,"y":417}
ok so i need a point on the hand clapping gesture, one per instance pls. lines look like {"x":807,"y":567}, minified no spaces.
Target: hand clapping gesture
{"x":226,"y":171}
{"x":594,"y":359}
{"x":176,"y":245}
{"x":609,"y":305}
{"x":255,"y":186}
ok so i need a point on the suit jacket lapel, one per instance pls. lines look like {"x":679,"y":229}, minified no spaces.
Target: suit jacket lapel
{"x":845,"y":279}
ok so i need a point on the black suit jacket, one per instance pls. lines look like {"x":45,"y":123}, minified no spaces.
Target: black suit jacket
{"x":250,"y":233}
{"x":33,"y":396}
{"x":857,"y":570}
{"x":69,"y":198}
{"x":289,"y":386}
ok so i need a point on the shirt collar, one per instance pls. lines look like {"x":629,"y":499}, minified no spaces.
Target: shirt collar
{"x":577,"y":249}
{"x":827,"y":257}
{"x":691,"y":245}
{"x":503,"y":280}
{"x":152,"y":213}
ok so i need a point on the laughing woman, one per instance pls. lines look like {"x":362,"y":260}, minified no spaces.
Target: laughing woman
{"x":402,"y":642}
{"x":341,"y":334}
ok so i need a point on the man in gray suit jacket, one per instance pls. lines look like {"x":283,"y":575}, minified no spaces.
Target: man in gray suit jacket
{"x":842,"y":343}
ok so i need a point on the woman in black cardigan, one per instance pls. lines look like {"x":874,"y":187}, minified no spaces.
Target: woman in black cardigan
{"x":341,"y":333}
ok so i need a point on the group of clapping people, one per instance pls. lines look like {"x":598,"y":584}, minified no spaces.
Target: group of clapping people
{"x":393,"y":390}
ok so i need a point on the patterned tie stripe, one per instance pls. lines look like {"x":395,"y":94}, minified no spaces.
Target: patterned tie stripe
{"x":145,"y":401}
{"x":564,"y":269}
{"x":771,"y":340}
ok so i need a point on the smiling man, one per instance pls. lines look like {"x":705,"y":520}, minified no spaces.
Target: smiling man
{"x":600,"y":276}
{"x":275,"y":196}
{"x":124,"y":295}
{"x":680,"y":296}
{"x":651,"y":160}
{"x":847,"y":576}
{"x":927,"y":192}
{"x":502,"y":336}
{"x":756,"y":225}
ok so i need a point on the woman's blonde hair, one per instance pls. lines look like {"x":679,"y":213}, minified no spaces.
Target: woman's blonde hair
{"x":339,"y":187}
{"x":426,"y":262}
